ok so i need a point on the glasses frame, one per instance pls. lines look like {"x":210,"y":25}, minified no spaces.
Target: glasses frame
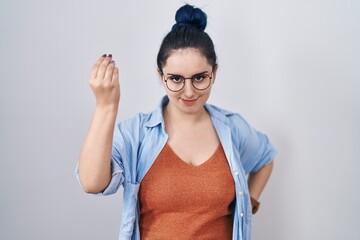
{"x":190,"y":78}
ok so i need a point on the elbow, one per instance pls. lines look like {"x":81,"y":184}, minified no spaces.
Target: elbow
{"x":92,"y":186}
{"x":90,"y":190}
{"x":93,"y":182}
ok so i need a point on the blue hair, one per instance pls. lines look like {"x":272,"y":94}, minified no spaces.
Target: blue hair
{"x":187,"y":32}
{"x":190,"y":16}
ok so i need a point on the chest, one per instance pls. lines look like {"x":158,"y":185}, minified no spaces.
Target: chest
{"x":194,"y":145}
{"x":171,"y":184}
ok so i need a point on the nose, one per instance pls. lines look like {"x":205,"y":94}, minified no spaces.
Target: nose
{"x":189,"y":89}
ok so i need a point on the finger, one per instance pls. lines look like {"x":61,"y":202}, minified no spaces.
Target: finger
{"x":103,"y":66}
{"x":96,"y":67}
{"x":115,"y":76}
{"x":109,"y":71}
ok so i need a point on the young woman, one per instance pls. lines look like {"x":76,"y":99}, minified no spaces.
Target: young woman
{"x":190,"y":170}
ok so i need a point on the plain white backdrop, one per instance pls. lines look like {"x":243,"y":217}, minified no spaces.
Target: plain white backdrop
{"x":291,"y":68}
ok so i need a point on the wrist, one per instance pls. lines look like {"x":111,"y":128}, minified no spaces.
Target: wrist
{"x":106,"y":108}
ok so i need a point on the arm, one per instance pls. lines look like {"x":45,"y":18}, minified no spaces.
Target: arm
{"x":95,"y":156}
{"x":257,"y":181}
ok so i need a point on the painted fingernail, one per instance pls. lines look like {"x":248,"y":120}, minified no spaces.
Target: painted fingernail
{"x":110,"y":55}
{"x":104,"y":55}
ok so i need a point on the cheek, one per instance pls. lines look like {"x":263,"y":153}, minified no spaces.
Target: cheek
{"x":207,"y":91}
{"x":173,"y":95}
{"x":169,"y":93}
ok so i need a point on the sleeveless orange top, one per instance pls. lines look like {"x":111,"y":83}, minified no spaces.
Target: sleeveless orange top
{"x":182,"y":201}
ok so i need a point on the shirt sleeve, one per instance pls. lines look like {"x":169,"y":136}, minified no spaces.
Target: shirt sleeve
{"x":256,"y":150}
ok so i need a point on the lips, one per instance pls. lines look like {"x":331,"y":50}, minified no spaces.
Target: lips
{"x":189,"y":102}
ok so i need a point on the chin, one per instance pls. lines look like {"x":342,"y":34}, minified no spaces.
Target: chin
{"x":193,"y":109}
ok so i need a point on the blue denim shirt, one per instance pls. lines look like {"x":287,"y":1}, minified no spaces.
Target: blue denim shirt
{"x":139,"y":140}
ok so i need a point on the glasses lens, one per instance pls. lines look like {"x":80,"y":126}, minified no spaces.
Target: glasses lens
{"x":175,"y":83}
{"x":201,"y":82}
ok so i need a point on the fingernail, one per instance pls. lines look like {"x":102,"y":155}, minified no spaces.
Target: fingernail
{"x":110,"y":55}
{"x":104,"y":55}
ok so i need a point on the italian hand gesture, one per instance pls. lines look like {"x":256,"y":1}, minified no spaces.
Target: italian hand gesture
{"x":104,"y":82}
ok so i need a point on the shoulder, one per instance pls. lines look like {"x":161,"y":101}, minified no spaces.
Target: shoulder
{"x":234,"y":120}
{"x":215,"y":110}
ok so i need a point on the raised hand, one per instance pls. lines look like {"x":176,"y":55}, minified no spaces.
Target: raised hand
{"x":104,"y":82}
{"x":95,"y":156}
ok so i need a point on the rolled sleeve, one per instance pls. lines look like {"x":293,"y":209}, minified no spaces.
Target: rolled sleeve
{"x":256,"y":151}
{"x":117,"y":178}
{"x":265,"y":155}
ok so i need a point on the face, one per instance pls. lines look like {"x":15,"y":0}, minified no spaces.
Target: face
{"x":187,"y":63}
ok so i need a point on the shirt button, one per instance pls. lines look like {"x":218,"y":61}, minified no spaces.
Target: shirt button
{"x":241,"y":193}
{"x":241,"y":214}
{"x":236,"y":172}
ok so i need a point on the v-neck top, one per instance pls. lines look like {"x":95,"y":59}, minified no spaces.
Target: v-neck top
{"x":182,"y":201}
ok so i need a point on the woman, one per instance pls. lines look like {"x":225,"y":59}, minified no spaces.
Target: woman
{"x":183,"y":166}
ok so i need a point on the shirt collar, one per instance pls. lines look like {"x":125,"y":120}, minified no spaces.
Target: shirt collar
{"x":157,"y":117}
{"x":218,"y":113}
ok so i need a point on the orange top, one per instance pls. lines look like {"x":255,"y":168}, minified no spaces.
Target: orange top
{"x":182,"y":201}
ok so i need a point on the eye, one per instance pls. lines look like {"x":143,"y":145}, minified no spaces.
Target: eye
{"x":199,"y":78}
{"x":176,"y":79}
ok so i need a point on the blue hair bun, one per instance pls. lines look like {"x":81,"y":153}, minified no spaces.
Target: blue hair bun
{"x":189,"y":16}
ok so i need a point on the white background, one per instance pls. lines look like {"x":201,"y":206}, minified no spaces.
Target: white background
{"x":291,"y":68}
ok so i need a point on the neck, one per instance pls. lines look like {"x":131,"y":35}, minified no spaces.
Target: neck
{"x":176,"y":116}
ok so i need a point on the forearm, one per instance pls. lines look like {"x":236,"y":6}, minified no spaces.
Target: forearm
{"x":257,"y":181}
{"x":95,"y":156}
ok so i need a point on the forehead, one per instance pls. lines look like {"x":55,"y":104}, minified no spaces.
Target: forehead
{"x":186,"y":61}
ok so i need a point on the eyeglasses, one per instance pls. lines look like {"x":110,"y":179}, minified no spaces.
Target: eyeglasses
{"x":200,"y":81}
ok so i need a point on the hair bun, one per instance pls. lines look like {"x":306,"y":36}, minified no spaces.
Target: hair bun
{"x":189,"y":16}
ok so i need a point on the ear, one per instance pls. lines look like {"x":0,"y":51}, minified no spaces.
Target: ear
{"x":214,"y":72}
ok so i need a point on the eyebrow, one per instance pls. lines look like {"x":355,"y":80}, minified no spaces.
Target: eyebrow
{"x":174,"y":74}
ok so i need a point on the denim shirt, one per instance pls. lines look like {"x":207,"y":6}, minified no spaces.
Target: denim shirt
{"x":138,"y":141}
